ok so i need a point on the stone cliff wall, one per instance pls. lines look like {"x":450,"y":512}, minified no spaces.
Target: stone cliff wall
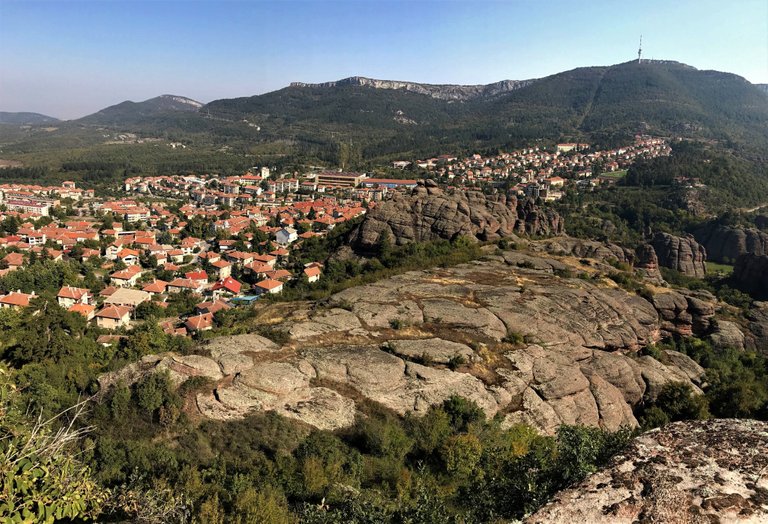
{"x":439,"y":91}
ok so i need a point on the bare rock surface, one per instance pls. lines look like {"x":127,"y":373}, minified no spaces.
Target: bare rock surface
{"x":687,"y":472}
{"x":238,"y":344}
{"x":432,"y":350}
{"x":513,"y":332}
{"x":581,"y":248}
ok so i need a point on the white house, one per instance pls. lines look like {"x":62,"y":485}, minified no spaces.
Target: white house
{"x":286,"y":235}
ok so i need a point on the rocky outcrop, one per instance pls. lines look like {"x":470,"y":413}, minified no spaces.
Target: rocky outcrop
{"x":758,"y":327}
{"x":682,"y":254}
{"x":647,"y":258}
{"x":693,"y":472}
{"x":512,"y":332}
{"x":431,"y":213}
{"x":684,"y":313}
{"x":751,"y":275}
{"x":725,"y":244}
{"x":647,"y":264}
{"x":580,"y":248}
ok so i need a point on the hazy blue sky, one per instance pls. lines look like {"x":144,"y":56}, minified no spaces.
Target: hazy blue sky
{"x":70,"y":58}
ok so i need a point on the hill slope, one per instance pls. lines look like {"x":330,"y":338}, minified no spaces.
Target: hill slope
{"x":127,"y":113}
{"x":381,"y":119}
{"x":595,"y":103}
{"x":26,"y":118}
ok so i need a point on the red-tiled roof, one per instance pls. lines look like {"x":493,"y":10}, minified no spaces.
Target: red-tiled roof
{"x":183,"y":282}
{"x":230,"y":284}
{"x":199,"y":322}
{"x":158,"y":286}
{"x":16,"y":299}
{"x":83,"y":309}
{"x":269,"y":284}
{"x":75,"y":293}
{"x":197,"y":275}
{"x":113,"y":312}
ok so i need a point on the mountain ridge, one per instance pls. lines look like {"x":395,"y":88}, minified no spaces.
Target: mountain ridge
{"x":459,"y":92}
{"x":385,"y":119}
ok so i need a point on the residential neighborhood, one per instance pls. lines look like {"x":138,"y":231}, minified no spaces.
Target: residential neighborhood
{"x":222,"y":241}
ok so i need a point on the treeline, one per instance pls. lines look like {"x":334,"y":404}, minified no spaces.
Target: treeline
{"x":450,"y":465}
{"x":730,"y":181}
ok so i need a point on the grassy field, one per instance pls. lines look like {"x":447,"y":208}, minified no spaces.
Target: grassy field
{"x":615,"y":174}
{"x":714,"y":267}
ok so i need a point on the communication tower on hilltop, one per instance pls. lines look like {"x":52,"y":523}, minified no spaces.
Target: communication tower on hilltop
{"x":640,"y":49}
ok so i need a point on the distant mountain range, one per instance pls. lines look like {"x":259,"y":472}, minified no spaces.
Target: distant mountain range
{"x":386,"y":118}
{"x":23,"y":119}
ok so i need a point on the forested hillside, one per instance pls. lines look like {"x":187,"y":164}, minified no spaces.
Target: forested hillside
{"x":603,"y":105}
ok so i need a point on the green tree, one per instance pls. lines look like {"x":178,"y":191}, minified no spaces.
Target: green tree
{"x":40,"y":478}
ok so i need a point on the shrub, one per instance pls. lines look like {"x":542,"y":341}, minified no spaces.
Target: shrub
{"x":514,"y":338}
{"x":653,"y":351}
{"x":678,"y":401}
{"x":456,"y":362}
{"x":462,"y":412}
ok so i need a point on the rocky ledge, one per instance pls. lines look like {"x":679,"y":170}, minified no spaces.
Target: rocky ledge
{"x":520,"y":334}
{"x":695,"y":472}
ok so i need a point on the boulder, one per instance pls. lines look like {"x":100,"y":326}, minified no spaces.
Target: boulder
{"x":727,"y":335}
{"x":684,"y":313}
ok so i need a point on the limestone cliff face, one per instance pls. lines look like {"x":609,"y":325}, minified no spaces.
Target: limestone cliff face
{"x":439,"y":91}
{"x":682,"y":254}
{"x":692,"y":472}
{"x":431,"y":213}
{"x":725,"y":244}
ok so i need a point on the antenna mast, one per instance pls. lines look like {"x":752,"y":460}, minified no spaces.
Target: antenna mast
{"x":640,"y":49}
